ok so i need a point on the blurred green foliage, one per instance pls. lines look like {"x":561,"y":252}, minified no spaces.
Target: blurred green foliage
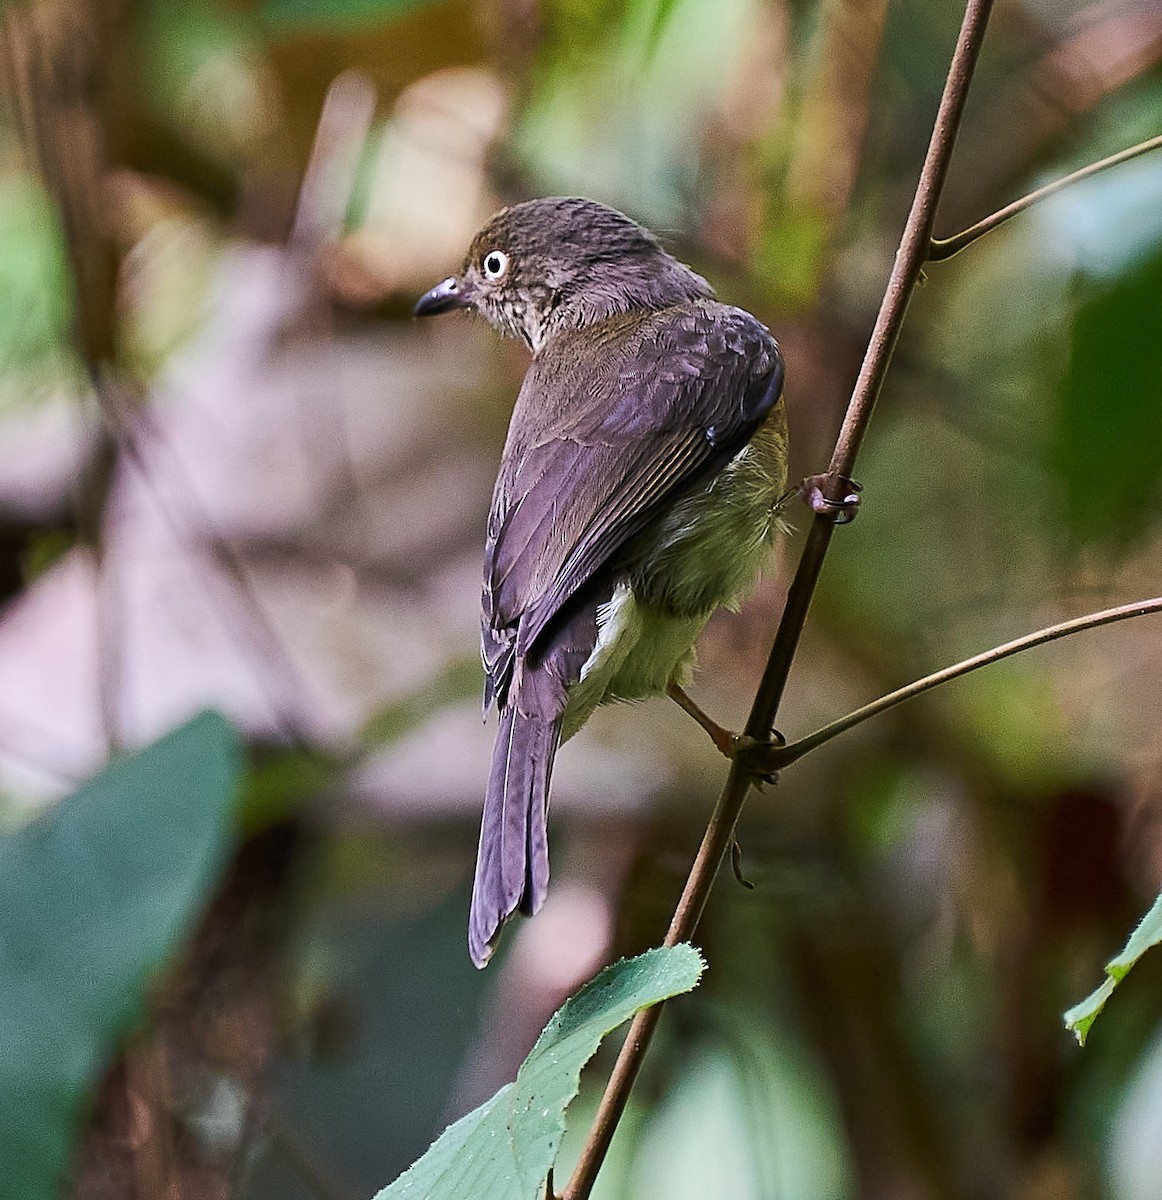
{"x":334,"y":14}
{"x":883,"y":1013}
{"x":34,"y":279}
{"x":95,"y":896}
{"x":627,"y":82}
{"x":1108,"y":444}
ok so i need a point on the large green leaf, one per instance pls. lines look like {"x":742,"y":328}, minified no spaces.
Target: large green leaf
{"x":505,"y":1148}
{"x":94,"y":896}
{"x":1148,"y":933}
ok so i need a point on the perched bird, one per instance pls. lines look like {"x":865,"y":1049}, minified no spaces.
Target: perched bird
{"x":638,"y":490}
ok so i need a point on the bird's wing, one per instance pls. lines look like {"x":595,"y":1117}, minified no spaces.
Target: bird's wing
{"x":667,"y":406}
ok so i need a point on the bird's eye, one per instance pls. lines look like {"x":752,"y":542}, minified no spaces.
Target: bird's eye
{"x":495,"y":264}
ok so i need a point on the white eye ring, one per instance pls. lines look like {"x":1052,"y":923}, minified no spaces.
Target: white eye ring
{"x":495,"y":265}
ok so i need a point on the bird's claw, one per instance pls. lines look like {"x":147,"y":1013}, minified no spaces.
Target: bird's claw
{"x":814,"y":491}
{"x":761,"y":757}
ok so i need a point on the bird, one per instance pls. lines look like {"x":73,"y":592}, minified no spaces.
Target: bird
{"x":639,"y":489}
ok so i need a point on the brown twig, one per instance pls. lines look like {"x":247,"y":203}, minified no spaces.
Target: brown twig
{"x":942,"y":249}
{"x":909,"y":260}
{"x":785,"y":755}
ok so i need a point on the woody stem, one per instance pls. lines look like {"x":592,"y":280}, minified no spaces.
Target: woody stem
{"x":906,"y":270}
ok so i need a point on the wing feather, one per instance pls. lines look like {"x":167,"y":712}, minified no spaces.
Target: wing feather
{"x":594,"y":453}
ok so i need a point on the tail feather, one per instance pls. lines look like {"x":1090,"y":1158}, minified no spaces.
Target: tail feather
{"x":512,"y":862}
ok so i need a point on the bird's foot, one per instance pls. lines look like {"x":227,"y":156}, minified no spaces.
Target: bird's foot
{"x":758,"y":756}
{"x":815,"y":491}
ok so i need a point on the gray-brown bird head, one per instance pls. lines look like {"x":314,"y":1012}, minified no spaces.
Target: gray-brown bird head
{"x":562,"y":262}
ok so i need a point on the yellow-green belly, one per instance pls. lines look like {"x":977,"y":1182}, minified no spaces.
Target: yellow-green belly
{"x":706,"y":551}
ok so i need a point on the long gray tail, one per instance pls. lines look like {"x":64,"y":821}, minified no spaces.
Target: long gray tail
{"x":512,"y":862}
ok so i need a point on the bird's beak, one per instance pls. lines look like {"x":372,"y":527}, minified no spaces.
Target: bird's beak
{"x":451,"y":293}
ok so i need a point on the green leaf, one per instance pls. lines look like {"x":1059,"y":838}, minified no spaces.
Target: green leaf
{"x":1148,"y":933}
{"x":505,"y":1148}
{"x":94,"y":897}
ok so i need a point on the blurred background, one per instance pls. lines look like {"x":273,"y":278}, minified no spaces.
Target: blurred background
{"x":234,"y":473}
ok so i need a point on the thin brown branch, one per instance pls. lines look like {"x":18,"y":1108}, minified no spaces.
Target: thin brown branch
{"x":786,"y":755}
{"x":942,"y":249}
{"x":905,"y":273}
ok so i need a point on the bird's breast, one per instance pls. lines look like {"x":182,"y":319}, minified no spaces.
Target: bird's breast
{"x":709,"y":547}
{"x":639,"y":650}
{"x":705,"y":551}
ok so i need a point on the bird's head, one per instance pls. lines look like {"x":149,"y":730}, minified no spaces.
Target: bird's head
{"x":559,"y":263}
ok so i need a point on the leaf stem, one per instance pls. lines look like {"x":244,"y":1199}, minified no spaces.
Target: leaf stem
{"x":786,"y":755}
{"x":909,"y":261}
{"x":941,"y":249}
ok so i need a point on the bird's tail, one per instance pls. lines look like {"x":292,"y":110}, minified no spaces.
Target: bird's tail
{"x":512,"y":862}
